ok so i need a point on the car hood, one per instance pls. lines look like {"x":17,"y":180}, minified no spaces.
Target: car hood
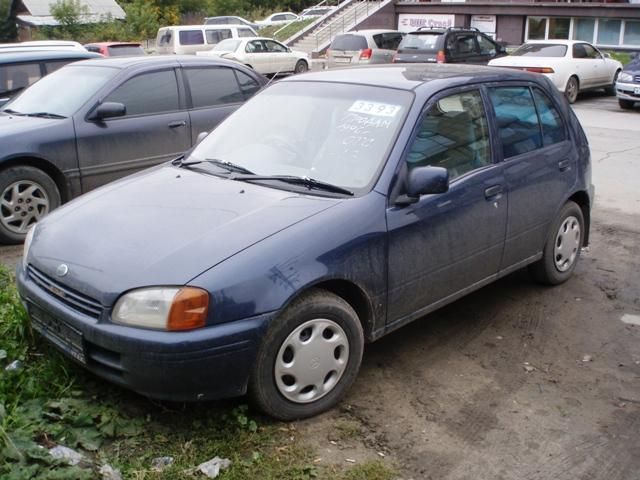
{"x":19,"y":125}
{"x":523,"y":61}
{"x":164,"y":226}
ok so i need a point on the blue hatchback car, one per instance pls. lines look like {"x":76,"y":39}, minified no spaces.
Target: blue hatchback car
{"x":331,"y":209}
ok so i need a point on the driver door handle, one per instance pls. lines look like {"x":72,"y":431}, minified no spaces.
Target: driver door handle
{"x":493,"y":193}
{"x":177,"y":123}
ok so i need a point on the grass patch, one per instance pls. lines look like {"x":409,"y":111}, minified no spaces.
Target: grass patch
{"x":286,"y":32}
{"x":346,"y":430}
{"x":48,"y":401}
{"x":622,"y":57}
{"x":372,"y":470}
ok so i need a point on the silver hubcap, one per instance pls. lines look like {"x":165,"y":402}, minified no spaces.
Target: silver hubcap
{"x":311,"y":360}
{"x":22,"y":204}
{"x":572,"y":89}
{"x":567,"y":244}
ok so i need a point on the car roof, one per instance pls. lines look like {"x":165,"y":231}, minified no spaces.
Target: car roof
{"x":42,"y":55}
{"x":370,"y":31}
{"x":154,"y":60}
{"x":413,"y":76}
{"x":113,"y":44}
{"x":556,"y":42}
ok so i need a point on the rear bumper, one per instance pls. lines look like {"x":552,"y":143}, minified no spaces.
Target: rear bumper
{"x":203,"y":364}
{"x":625,"y":91}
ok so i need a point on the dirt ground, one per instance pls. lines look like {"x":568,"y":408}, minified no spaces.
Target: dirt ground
{"x":515,"y":381}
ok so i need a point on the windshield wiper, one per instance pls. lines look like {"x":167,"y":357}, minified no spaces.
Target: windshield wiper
{"x":230,"y":167}
{"x":43,"y":115}
{"x":310,"y":183}
{"x":11,"y":112}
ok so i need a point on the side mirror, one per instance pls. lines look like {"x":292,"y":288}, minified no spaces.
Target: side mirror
{"x":201,"y":136}
{"x":109,"y":110}
{"x":424,"y":181}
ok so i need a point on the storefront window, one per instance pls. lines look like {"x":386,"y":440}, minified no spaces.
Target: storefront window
{"x":583,"y":29}
{"x":609,"y":31}
{"x":631,"y":33}
{"x":559,"y":28}
{"x":537,"y":28}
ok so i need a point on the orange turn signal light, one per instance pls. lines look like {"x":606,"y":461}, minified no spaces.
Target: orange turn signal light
{"x":189,"y":309}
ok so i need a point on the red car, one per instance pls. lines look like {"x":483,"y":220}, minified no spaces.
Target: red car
{"x":115,"y":49}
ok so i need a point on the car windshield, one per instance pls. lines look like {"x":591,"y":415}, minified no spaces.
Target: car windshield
{"x":420,"y":41}
{"x":541,"y":50}
{"x":349,"y":42}
{"x":122,"y":50}
{"x":62,"y":92}
{"x":335,"y":133}
{"x":229,"y":45}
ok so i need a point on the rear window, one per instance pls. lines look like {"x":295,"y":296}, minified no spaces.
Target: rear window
{"x":420,"y":41}
{"x":14,"y":78}
{"x":541,"y":50}
{"x":165,"y":38}
{"x":191,"y":37}
{"x":246,"y":32}
{"x":121,"y":50}
{"x":349,"y":42}
{"x":388,"y":41}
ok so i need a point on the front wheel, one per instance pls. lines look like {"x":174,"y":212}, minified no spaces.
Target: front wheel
{"x":571,"y":89}
{"x":625,"y":104}
{"x":26,"y":195}
{"x":309,"y":357}
{"x":562,"y":249}
{"x":301,"y":67}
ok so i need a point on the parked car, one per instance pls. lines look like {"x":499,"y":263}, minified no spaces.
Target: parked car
{"x":189,"y":39}
{"x":266,"y":258}
{"x":41,"y":45}
{"x":116,"y":49}
{"x":230,"y":20}
{"x":363,"y":47}
{"x":19,"y":69}
{"x":628,"y":85}
{"x":280,"y":18}
{"x":573,"y":66}
{"x":448,"y":45}
{"x":315,"y":12}
{"x":264,"y":55}
{"x":107,"y":118}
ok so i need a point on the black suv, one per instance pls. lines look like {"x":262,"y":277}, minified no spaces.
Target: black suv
{"x":450,"y":45}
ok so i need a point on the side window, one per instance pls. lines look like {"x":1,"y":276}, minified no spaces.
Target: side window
{"x":256,"y":47}
{"x":274,"y":47}
{"x":553,"y":130}
{"x":148,"y":93}
{"x":54,"y":65}
{"x":20,"y":76}
{"x":245,"y":32}
{"x":517,"y":120}
{"x":191,"y":37}
{"x":213,"y":36}
{"x":247,"y":84}
{"x":591,"y":52}
{"x":213,"y":86}
{"x":453,"y":134}
{"x":487,"y":47}
{"x":465,"y":44}
{"x":579,"y":51}
{"x":278,"y":18}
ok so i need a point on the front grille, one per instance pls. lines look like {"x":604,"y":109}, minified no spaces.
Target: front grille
{"x":78,"y":301}
{"x":637,"y":78}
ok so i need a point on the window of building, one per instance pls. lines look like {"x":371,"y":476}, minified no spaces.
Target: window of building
{"x":148,"y":93}
{"x":454,"y":134}
{"x":583,"y":29}
{"x":609,"y":31}
{"x":559,"y":28}
{"x":631,"y":33}
{"x":537,"y":28}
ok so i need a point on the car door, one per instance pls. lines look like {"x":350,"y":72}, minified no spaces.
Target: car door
{"x":282,"y":60}
{"x":213,"y":93}
{"x":259,"y":57}
{"x":585,"y":65}
{"x":602,"y":75}
{"x":466,"y":48}
{"x":445,"y":243}
{"x":386,"y":46}
{"x":154,"y":129}
{"x":487,"y":49}
{"x":540,"y":166}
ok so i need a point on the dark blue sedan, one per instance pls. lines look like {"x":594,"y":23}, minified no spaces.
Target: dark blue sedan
{"x":331,"y":209}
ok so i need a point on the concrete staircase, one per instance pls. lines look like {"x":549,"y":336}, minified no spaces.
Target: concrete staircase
{"x":349,"y":14}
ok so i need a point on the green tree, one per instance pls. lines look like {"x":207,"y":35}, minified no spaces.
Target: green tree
{"x":143,"y":19}
{"x":71,"y":16}
{"x":8,"y":30}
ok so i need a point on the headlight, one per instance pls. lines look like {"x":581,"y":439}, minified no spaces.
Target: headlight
{"x":163,"y":308}
{"x":27,"y":245}
{"x":625,"y":77}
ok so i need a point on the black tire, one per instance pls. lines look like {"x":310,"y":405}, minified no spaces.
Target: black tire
{"x":29,"y":209}
{"x":301,"y":67}
{"x":546,"y":269}
{"x":311,"y":306}
{"x":572,"y":89}
{"x":611,"y":89}
{"x":625,"y":104}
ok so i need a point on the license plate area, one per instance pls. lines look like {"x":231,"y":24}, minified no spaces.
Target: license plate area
{"x":65,"y":336}
{"x":343,"y":59}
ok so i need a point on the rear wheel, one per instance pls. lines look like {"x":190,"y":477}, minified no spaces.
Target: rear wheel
{"x":571,"y":89}
{"x":611,"y":89}
{"x":625,"y":104}
{"x":562,"y":249}
{"x":26,"y":195}
{"x":309,"y":357}
{"x":301,"y":67}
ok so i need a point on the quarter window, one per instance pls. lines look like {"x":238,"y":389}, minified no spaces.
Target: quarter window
{"x":553,"y":130}
{"x":517,"y":120}
{"x":148,"y":93}
{"x":213,"y":86}
{"x":191,"y":37}
{"x":454,"y":134}
{"x":216,"y":36}
{"x":247,"y":84}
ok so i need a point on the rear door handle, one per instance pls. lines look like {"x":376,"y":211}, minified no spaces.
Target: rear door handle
{"x":564,"y":165}
{"x":177,"y":123}
{"x":493,"y":193}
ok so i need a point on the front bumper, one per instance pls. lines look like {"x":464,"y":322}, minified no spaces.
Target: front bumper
{"x":203,"y":364}
{"x":626,"y":91}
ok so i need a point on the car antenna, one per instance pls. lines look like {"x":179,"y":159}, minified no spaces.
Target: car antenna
{"x":272,"y":77}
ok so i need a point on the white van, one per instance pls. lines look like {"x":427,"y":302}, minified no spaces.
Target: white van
{"x":189,"y":39}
